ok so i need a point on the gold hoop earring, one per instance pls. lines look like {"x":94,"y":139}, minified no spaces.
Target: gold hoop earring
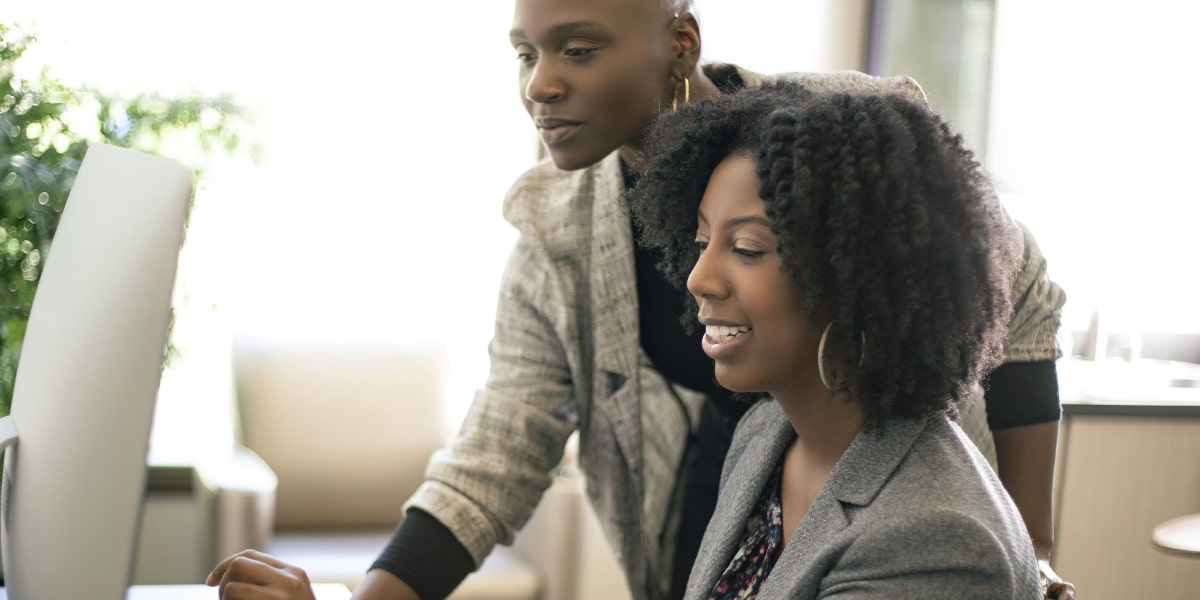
{"x":821,"y":356}
{"x":687,"y":93}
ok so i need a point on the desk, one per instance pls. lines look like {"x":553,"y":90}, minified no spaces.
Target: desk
{"x":324,"y":591}
{"x":1180,"y":535}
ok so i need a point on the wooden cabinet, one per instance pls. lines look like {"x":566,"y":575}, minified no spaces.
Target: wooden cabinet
{"x":1118,"y":476}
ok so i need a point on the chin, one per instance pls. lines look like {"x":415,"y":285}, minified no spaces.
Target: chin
{"x":574,"y":160}
{"x":736,"y":384}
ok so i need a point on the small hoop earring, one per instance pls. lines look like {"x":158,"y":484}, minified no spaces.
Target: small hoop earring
{"x":821,"y":356}
{"x":687,"y":93}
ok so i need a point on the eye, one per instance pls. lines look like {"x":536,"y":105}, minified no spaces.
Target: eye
{"x":701,"y":244}
{"x":748,"y":253}
{"x":580,"y":53}
{"x":525,"y":55}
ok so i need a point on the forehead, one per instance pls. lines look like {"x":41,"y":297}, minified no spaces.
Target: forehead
{"x":732,"y":190}
{"x":533,"y":14}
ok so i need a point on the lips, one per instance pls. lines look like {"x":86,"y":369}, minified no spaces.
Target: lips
{"x":719,"y":333}
{"x":723,"y":338}
{"x":556,"y":130}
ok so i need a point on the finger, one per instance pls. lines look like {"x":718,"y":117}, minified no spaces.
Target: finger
{"x":218,"y":572}
{"x":236,"y":590}
{"x":265,"y":558}
{"x":281,"y":582}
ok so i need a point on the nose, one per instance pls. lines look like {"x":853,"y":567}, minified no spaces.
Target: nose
{"x":706,"y":282}
{"x":543,"y":84}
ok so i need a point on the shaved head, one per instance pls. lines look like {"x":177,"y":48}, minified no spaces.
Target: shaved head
{"x":677,"y":7}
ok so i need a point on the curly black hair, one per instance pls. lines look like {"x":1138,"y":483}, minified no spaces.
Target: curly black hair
{"x":886,"y":223}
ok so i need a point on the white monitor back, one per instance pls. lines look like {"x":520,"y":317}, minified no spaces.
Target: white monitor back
{"x":88,"y":378}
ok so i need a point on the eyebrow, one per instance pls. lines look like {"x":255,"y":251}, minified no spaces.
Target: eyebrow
{"x":561,"y":30}
{"x":737,"y":221}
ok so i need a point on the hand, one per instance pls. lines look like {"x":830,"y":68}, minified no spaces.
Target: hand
{"x":1054,"y":586}
{"x":253,"y":575}
{"x":1062,"y":590}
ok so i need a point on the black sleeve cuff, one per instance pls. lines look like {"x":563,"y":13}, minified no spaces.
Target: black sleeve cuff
{"x":424,"y":554}
{"x":1022,"y":393}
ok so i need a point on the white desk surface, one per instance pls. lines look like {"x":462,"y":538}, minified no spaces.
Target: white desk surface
{"x":324,"y":591}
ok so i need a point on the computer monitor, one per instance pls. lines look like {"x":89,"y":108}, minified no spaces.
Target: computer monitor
{"x":88,"y":378}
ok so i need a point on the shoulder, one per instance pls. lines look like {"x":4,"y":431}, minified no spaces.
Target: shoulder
{"x":922,"y":551}
{"x":945,"y":494}
{"x":942,"y":498}
{"x":944,"y":466}
{"x":839,"y":81}
{"x":1037,"y":304}
{"x":943,"y":469}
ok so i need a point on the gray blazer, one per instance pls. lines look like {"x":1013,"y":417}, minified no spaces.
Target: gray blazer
{"x":915,"y":512}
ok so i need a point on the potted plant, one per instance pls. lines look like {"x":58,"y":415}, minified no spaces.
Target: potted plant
{"x":45,"y":128}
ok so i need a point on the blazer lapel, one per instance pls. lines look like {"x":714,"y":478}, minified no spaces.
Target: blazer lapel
{"x":615,"y":313}
{"x":740,"y":491}
{"x":856,"y":480}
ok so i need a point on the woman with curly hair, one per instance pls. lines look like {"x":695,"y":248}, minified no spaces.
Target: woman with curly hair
{"x":848,"y":257}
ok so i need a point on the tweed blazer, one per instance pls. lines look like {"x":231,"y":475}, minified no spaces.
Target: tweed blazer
{"x":915,"y":512}
{"x":566,"y":357}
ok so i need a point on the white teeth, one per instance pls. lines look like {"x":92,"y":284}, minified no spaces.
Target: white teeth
{"x":719,"y":333}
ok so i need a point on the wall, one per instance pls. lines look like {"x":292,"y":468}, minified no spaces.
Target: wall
{"x":816,"y":35}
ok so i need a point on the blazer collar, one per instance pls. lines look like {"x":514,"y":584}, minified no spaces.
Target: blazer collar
{"x":858,"y":476}
{"x":857,"y":479}
{"x":748,"y":468}
{"x":613,"y":280}
{"x":614,"y":307}
{"x":871,"y":459}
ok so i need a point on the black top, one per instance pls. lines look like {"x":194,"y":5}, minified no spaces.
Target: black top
{"x":1019,"y":394}
{"x":427,"y":555}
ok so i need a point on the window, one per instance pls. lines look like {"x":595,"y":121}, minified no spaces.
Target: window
{"x":347,"y":230}
{"x":1085,"y":123}
{"x":1093,"y":143}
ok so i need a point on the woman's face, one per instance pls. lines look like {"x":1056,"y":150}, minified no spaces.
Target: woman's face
{"x":593,"y":73}
{"x":756,"y":323}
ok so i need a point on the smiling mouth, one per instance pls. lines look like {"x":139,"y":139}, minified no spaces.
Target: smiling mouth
{"x":720,"y":334}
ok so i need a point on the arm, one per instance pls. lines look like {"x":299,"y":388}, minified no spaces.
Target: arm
{"x":1023,"y":413}
{"x":423,"y":559}
{"x":485,"y":486}
{"x":1022,"y":397}
{"x":1026,"y":460}
{"x":382,"y":585}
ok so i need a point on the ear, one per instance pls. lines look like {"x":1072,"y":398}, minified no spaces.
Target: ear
{"x":686,"y":45}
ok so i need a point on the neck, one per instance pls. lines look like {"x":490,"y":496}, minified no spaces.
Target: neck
{"x":701,"y":87}
{"x":825,"y":425}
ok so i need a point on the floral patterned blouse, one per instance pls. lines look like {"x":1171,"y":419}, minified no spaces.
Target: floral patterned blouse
{"x":755,"y":557}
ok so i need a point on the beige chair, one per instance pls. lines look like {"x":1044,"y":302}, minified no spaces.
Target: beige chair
{"x":348,"y":430}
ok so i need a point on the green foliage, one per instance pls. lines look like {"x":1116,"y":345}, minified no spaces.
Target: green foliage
{"x":45,"y":128}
